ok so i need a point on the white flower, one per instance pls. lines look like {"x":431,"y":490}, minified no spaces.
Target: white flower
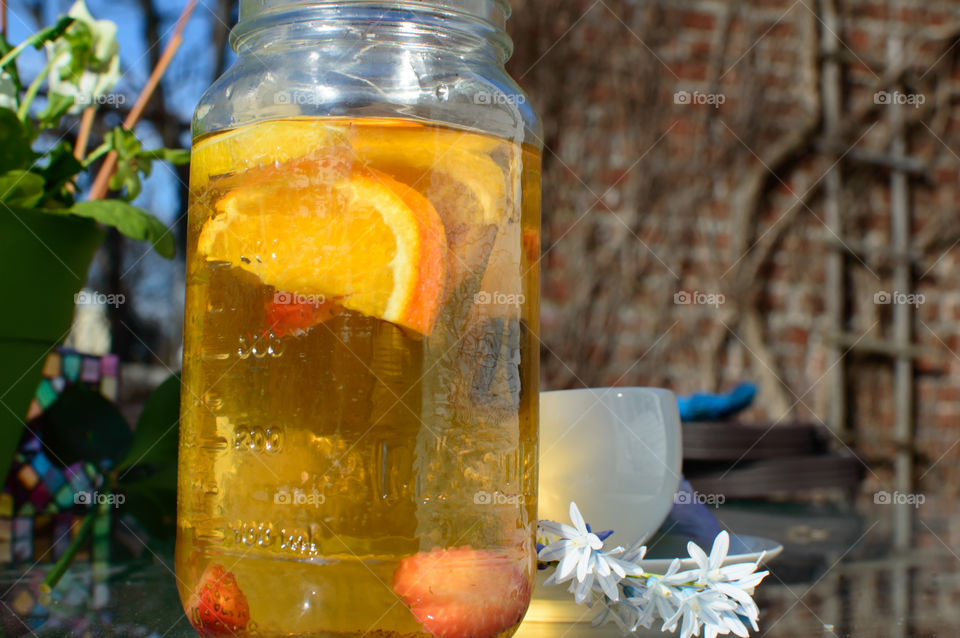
{"x":572,"y":549}
{"x":699,"y":608}
{"x":580,"y":556}
{"x":636,"y":552}
{"x":711,"y":567}
{"x":624,"y":614}
{"x":712,"y":597}
{"x":661,"y":594}
{"x":607,"y":571}
{"x":735,"y":581}
{"x":100,"y":70}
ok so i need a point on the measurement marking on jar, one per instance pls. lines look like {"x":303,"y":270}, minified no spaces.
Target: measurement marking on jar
{"x":216,"y":443}
{"x":257,"y":439}
{"x":259,"y":346}
{"x":263,"y":534}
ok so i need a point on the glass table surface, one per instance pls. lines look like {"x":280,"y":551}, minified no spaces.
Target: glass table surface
{"x":824,"y":584}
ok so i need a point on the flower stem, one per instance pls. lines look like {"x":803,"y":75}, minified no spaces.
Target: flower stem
{"x":96,"y":154}
{"x":34,"y":87}
{"x":66,"y":560}
{"x":13,"y":53}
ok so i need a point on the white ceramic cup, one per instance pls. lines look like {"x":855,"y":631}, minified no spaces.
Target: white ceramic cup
{"x":614,"y":451}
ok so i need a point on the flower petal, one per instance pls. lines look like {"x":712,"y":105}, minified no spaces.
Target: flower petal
{"x":554,"y":551}
{"x":609,"y":587}
{"x":583,"y":566}
{"x":698,"y":555}
{"x":567,"y":565}
{"x":577,"y":519}
{"x":718,"y":553}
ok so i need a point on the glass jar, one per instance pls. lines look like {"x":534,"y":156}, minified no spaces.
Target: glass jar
{"x":358,"y":433}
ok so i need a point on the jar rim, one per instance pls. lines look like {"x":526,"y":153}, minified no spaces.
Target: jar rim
{"x":494,"y":12}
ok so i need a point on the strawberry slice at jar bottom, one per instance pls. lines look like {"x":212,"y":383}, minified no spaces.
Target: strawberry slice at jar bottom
{"x":218,"y":607}
{"x":463,"y":592}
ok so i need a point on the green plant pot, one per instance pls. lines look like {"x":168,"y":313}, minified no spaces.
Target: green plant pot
{"x":44,"y":258}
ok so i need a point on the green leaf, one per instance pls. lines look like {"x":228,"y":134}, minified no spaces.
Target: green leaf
{"x":21,"y":189}
{"x":155,"y":439}
{"x":124,"y":142}
{"x":153,"y":501}
{"x":131,"y":221}
{"x":11,"y":69}
{"x":148,"y":473}
{"x":15,"y":138}
{"x":60,"y":170}
{"x":52,"y":32}
{"x":176,"y":156}
{"x":38,"y":39}
{"x":82,"y":425}
{"x":126,"y":179}
{"x":57,"y":107}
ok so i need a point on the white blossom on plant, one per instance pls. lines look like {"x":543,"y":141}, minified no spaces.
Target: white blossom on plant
{"x":81,"y":67}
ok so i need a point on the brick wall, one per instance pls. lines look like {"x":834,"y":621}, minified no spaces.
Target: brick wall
{"x":642,"y":201}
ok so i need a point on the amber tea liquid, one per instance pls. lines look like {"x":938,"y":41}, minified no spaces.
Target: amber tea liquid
{"x":360,"y":370}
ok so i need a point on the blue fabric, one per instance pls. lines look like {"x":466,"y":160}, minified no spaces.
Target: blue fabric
{"x":704,"y":406}
{"x":690,"y":518}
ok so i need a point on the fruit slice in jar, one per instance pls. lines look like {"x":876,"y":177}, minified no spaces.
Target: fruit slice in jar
{"x":456,"y":173}
{"x":265,"y":144}
{"x":463,"y":592}
{"x":369,"y":242}
{"x":295,"y":317}
{"x":218,"y":607}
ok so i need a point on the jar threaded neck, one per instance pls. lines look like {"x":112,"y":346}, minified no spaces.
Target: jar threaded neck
{"x":494,"y":12}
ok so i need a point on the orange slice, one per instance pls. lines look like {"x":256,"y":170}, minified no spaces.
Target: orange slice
{"x":453,"y":169}
{"x":262,"y":144}
{"x":375,"y":245}
{"x":456,"y":172}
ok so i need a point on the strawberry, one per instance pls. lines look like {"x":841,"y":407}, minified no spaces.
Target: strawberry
{"x":297,"y":318}
{"x":218,"y":608}
{"x":463,"y":592}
